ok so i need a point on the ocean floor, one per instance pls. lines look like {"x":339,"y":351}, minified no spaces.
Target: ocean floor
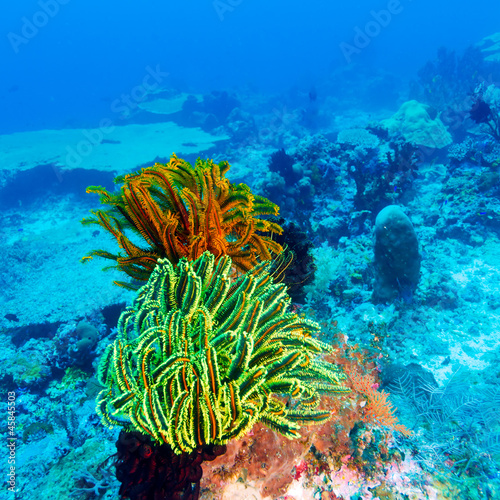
{"x":437,"y":351}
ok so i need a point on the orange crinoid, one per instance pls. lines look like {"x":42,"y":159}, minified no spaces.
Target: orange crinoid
{"x":183,"y":211}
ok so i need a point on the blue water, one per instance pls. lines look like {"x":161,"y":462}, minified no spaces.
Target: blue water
{"x":67,"y":71}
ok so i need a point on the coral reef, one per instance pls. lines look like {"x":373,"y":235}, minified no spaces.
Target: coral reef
{"x":459,"y":418}
{"x":181,"y":211}
{"x":282,"y":163}
{"x":91,"y":483}
{"x":75,"y":345}
{"x":311,"y":181}
{"x":31,"y":365}
{"x":263,"y":457}
{"x":378,"y":410}
{"x":331,"y":186}
{"x":381,"y":174}
{"x":296,"y":268}
{"x":481,"y":151}
{"x":288,"y":182}
{"x":444,"y":81}
{"x":358,"y":137}
{"x":486,"y":108}
{"x":447,"y":82}
{"x":214,"y":110}
{"x":354,"y":439}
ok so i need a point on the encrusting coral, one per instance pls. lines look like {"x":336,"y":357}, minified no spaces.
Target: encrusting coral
{"x":181,"y":211}
{"x":200,"y":358}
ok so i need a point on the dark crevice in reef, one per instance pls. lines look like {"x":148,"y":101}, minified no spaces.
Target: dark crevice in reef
{"x":27,"y":186}
{"x":21,"y":334}
{"x":112,"y":312}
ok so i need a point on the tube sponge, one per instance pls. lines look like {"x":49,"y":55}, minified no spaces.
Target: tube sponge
{"x":397,"y":259}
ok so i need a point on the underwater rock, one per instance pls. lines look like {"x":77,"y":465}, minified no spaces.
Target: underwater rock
{"x":397,"y":260}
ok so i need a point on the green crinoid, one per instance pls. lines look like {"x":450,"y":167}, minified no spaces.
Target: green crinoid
{"x":200,"y":358}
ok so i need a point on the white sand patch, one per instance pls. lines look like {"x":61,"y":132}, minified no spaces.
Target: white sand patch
{"x":479,"y":272}
{"x":119,"y":149}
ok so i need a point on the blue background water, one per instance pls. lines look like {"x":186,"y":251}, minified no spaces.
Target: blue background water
{"x":67,"y":72}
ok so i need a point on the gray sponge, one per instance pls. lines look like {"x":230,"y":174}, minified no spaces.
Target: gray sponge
{"x":397,"y":260}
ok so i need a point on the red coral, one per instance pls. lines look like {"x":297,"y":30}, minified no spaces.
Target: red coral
{"x":299,"y":470}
